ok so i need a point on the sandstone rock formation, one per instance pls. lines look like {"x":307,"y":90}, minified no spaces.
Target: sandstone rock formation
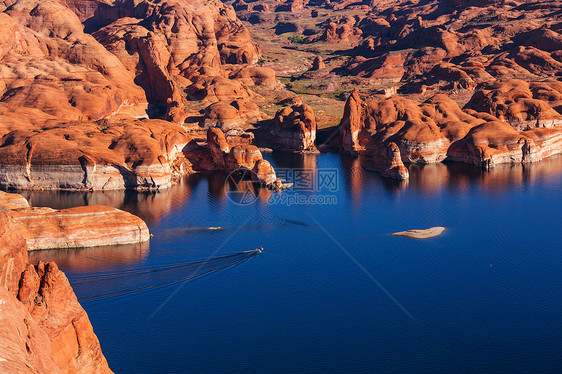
{"x":76,"y":78}
{"x":229,"y":158}
{"x":340,"y":29}
{"x":12,"y":201}
{"x":293,"y":6}
{"x":108,"y":154}
{"x":439,"y":130}
{"x":294,"y":128}
{"x":388,"y":162}
{"x":318,"y":63}
{"x":86,"y":226}
{"x":522,"y":104}
{"x":231,"y":115}
{"x":90,"y":226}
{"x":178,"y":43}
{"x":383,"y":69}
{"x":445,"y":44}
{"x":44,"y":329}
{"x":254,"y":76}
{"x":49,"y":64}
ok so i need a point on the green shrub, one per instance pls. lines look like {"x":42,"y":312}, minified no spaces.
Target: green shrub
{"x":297,"y":39}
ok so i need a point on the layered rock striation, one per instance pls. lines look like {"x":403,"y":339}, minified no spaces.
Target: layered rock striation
{"x":119,"y":153}
{"x":438,"y":129}
{"x":85,"y":226}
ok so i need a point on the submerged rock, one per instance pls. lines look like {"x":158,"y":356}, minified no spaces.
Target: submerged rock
{"x":421,"y":234}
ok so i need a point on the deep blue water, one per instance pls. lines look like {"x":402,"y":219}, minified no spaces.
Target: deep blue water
{"x":486,"y":296}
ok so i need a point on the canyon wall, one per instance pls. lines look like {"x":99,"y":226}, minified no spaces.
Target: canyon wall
{"x":79,"y":80}
{"x":438,"y":129}
{"x":43,"y":328}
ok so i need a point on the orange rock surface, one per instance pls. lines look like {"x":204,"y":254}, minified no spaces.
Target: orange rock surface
{"x":439,"y":130}
{"x":388,"y":162}
{"x":318,"y":64}
{"x":230,"y":158}
{"x":86,"y":226}
{"x":44,"y":329}
{"x":79,"y":78}
{"x":108,"y":154}
{"x":524,"y":105}
{"x":12,"y":201}
{"x":294,"y":128}
{"x":340,"y":29}
{"x":89,"y":226}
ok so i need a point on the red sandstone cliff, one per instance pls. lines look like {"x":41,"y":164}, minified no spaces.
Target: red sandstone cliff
{"x":79,"y":78}
{"x":232,"y":157}
{"x":439,"y":129}
{"x":43,"y":328}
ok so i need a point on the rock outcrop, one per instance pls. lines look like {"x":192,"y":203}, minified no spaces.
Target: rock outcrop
{"x":318,"y":64}
{"x":522,"y":104}
{"x":444,"y":45}
{"x":340,"y":29}
{"x":388,"y":162}
{"x":78,"y":81}
{"x":227,"y":157}
{"x":496,"y":142}
{"x":439,"y":130}
{"x":352,"y":124}
{"x":49,"y":64}
{"x":104,"y":155}
{"x":237,"y":114}
{"x":86,"y":226}
{"x":89,"y":226}
{"x":178,"y":43}
{"x":294,"y":128}
{"x":12,"y":201}
{"x":43,"y":328}
{"x":293,"y":6}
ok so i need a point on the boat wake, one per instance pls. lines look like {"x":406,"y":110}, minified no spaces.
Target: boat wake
{"x":102,"y":286}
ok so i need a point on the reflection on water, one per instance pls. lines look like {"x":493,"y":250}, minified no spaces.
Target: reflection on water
{"x":152,"y":206}
{"x":93,"y":259}
{"x":294,"y":160}
{"x":433,"y":178}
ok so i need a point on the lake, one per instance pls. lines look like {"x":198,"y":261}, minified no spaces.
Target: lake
{"x":332,"y":291}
